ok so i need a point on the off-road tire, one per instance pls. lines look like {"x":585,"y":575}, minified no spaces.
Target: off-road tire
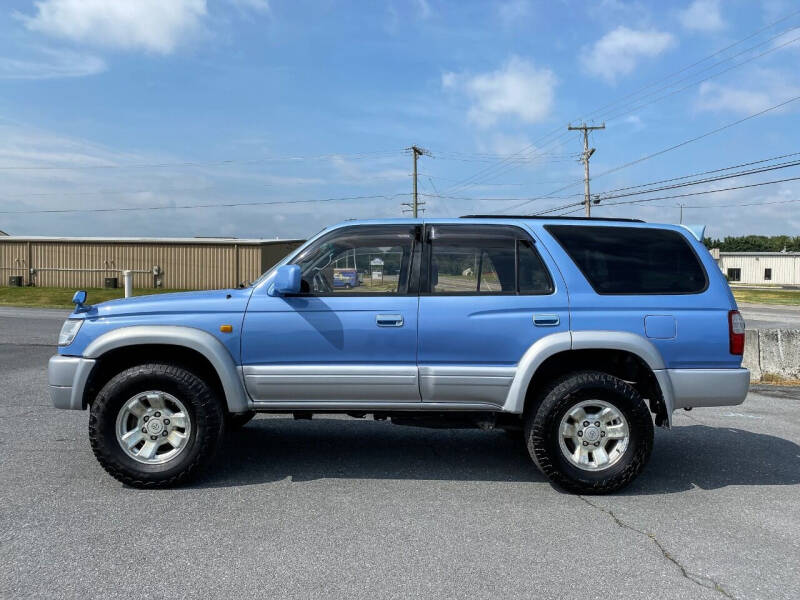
{"x":542,"y":431}
{"x":235,"y":421}
{"x":204,"y":408}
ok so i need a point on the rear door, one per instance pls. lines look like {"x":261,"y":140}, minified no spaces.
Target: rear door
{"x":487,"y":295}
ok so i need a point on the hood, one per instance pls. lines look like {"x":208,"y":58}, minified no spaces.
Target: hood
{"x":210,"y":301}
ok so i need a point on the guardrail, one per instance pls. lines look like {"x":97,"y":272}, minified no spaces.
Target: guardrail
{"x":772,"y":355}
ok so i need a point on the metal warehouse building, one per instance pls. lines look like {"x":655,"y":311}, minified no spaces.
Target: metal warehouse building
{"x":178,"y":263}
{"x":763,"y":268}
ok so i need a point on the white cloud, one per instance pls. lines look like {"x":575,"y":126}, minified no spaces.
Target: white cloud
{"x":259,"y":6}
{"x":51,"y":64}
{"x":765,"y":88}
{"x":620,"y":51}
{"x":702,"y":15}
{"x":635,"y":121}
{"x":152,"y":25}
{"x":507,"y":145}
{"x":518,"y":89}
{"x":512,"y":11}
{"x":424,"y":9}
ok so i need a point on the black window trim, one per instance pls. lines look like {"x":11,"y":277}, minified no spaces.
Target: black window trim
{"x":520,"y":235}
{"x":589,"y":281}
{"x":412,"y":279}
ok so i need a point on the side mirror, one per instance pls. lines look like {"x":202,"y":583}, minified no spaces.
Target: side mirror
{"x":287,"y":281}
{"x":79,"y":300}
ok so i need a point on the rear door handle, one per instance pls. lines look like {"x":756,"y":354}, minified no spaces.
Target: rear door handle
{"x":546,"y":320}
{"x":389,"y":320}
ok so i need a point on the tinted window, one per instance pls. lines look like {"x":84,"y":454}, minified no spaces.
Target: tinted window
{"x":632,"y":260}
{"x":485,"y":260}
{"x":357,"y":260}
{"x":533,"y":275}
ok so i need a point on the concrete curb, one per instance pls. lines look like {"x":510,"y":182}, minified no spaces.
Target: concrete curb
{"x":772,"y":355}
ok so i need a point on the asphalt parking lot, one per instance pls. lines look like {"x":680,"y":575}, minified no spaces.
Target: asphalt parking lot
{"x":340,"y":508}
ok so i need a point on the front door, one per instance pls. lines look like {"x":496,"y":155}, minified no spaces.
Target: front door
{"x":487,"y":296}
{"x":350,"y":335}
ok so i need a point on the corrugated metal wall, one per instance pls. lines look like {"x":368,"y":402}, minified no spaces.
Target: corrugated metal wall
{"x":785,"y":267}
{"x":182,"y":265}
{"x":13,"y":260}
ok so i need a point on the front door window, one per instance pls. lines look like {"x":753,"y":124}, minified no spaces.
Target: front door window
{"x":358,"y":260}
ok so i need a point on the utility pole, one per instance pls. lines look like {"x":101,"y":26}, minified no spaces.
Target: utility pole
{"x":681,"y":221}
{"x":587,"y":153}
{"x":416,"y":151}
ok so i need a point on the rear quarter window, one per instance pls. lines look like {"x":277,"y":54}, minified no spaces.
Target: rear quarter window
{"x":632,"y":260}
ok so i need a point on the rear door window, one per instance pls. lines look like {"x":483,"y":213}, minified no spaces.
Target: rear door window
{"x":632,"y":260}
{"x":485,"y":259}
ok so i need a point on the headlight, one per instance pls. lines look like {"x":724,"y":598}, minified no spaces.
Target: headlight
{"x":68,"y":331}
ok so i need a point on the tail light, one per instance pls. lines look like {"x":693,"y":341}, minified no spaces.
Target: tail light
{"x":736,"y":332}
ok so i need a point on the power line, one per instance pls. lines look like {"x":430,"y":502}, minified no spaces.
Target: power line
{"x":746,"y":164}
{"x":694,"y":83}
{"x":701,"y":181}
{"x":356,"y":156}
{"x":699,"y":137}
{"x":472,"y":180}
{"x":665,"y":150}
{"x":194,"y":206}
{"x":490,"y":199}
{"x":694,"y":64}
{"x":738,"y":187}
{"x":702,"y":206}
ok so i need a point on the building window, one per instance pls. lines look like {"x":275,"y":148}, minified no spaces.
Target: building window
{"x":734,"y":274}
{"x":767,"y":274}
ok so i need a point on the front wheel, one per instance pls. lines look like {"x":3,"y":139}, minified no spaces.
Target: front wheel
{"x":591,"y":433}
{"x":155,"y":425}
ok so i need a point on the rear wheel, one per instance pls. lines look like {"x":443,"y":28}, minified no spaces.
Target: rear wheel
{"x":155,"y":425}
{"x":591,"y":433}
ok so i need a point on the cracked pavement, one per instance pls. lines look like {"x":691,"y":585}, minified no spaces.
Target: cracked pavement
{"x":341,"y":508}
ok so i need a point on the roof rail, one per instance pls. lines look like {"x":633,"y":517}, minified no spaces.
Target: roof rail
{"x":551,"y":217}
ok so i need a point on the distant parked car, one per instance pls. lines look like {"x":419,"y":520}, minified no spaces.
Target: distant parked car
{"x":345,"y":278}
{"x":578,"y":334}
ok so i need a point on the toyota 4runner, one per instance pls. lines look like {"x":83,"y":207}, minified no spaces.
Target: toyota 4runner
{"x":577,"y":334}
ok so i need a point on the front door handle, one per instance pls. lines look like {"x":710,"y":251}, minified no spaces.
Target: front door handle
{"x":546,"y":320}
{"x":389,"y":320}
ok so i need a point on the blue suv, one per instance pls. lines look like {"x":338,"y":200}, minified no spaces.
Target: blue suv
{"x":577,"y":334}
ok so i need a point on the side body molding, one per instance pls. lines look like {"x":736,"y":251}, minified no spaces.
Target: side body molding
{"x":189,"y":337}
{"x":552,"y":344}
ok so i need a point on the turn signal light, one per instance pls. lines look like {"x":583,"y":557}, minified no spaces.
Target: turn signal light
{"x":226,"y":328}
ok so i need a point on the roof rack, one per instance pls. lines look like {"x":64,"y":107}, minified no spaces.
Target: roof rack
{"x":551,"y":217}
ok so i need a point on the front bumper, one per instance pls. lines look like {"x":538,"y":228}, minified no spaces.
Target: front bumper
{"x":67,"y":376}
{"x":708,"y":387}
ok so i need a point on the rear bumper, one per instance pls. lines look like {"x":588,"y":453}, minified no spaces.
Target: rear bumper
{"x":708,"y":387}
{"x":67,"y":377}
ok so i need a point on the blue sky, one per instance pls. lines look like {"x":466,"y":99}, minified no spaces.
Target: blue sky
{"x":193,"y":102}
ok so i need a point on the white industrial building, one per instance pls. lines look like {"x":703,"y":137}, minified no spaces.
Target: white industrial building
{"x":759,"y":268}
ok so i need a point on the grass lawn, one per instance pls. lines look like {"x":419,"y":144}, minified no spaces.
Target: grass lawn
{"x":791,"y":297}
{"x":44,"y":297}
